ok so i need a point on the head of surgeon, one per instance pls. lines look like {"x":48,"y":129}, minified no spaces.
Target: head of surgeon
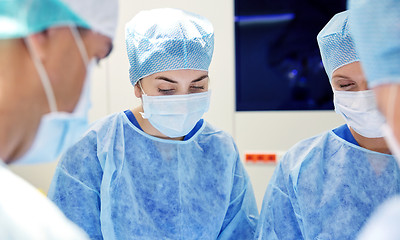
{"x":352,"y":97}
{"x":169,"y":52}
{"x":46,"y":50}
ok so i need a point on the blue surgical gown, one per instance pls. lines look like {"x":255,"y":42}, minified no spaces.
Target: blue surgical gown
{"x":118,"y":182}
{"x":326,"y":188}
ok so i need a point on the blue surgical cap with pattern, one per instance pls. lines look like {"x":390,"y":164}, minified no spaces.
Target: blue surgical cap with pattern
{"x":336,"y":44}
{"x":167,"y":39}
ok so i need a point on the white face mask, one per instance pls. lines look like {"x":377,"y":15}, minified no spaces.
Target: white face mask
{"x":360,"y":111}
{"x":390,"y":137}
{"x":175,"y":115}
{"x":58,"y":130}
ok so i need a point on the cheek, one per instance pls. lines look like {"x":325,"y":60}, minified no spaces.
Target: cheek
{"x":364,"y":85}
{"x":335,"y":87}
{"x":68,"y":85}
{"x":74,"y":87}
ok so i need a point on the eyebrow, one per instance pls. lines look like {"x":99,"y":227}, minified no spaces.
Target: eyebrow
{"x":200,"y":78}
{"x":172,"y":81}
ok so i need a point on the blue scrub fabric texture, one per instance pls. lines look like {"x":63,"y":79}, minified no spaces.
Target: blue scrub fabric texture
{"x":336,"y":43}
{"x":168,"y":39}
{"x":121,"y":183}
{"x":376,"y":32}
{"x":326,"y":188}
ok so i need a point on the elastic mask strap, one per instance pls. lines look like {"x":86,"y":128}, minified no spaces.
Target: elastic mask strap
{"x":141,"y":89}
{"x":44,"y":78}
{"x":145,"y":116}
{"x":80,"y":44}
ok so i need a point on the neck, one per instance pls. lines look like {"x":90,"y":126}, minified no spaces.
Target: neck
{"x":373,"y":144}
{"x":148,"y":128}
{"x":20,"y":105}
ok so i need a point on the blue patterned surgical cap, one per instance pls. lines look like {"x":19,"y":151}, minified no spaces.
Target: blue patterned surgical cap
{"x":166,"y":39}
{"x":336,"y":44}
{"x":376,"y":32}
{"x":20,"y":18}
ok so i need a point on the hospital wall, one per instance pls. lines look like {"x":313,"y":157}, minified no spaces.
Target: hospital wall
{"x":253,"y":131}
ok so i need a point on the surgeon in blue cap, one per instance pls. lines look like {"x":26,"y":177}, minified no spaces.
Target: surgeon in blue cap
{"x":327,"y":186}
{"x":159,"y":171}
{"x":47,"y":48}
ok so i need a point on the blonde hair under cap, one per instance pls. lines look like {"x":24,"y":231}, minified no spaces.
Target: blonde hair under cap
{"x":336,"y":44}
{"x":167,"y":39}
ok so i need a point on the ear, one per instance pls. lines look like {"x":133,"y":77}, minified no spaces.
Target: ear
{"x":39,"y":41}
{"x":138,"y":92}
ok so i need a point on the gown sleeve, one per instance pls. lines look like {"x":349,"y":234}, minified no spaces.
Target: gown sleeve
{"x":278,"y":219}
{"x":75,"y":187}
{"x":242,"y":214}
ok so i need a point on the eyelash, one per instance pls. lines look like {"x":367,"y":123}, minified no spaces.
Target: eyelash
{"x":165,"y":90}
{"x":170,"y":91}
{"x":346,"y":85}
{"x":197,"y":87}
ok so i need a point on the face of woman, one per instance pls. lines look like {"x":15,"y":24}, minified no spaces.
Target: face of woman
{"x":176,"y":82}
{"x":350,"y":77}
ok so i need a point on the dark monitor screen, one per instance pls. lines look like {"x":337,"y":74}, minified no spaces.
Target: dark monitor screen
{"x":278,"y":64}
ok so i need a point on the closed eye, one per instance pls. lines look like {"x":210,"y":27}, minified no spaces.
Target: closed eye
{"x":166,"y":91}
{"x":198,"y":87}
{"x":346,"y":85}
{"x":344,"y":82}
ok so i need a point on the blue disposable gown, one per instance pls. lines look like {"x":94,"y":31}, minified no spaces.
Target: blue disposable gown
{"x":118,"y":182}
{"x":326,"y":188}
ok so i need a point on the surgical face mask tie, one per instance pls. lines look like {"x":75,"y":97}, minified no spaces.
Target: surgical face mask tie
{"x":58,"y":130}
{"x":388,"y":131}
{"x":175,"y":115}
{"x":360,"y":111}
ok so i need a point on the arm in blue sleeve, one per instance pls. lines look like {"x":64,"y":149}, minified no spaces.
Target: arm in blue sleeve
{"x":242,"y":214}
{"x":76,"y":185}
{"x":278,"y":219}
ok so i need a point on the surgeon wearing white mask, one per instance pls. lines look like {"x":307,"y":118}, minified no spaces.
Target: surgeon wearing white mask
{"x":327,"y":186}
{"x":160,"y":171}
{"x":46,"y":47}
{"x":356,"y":103}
